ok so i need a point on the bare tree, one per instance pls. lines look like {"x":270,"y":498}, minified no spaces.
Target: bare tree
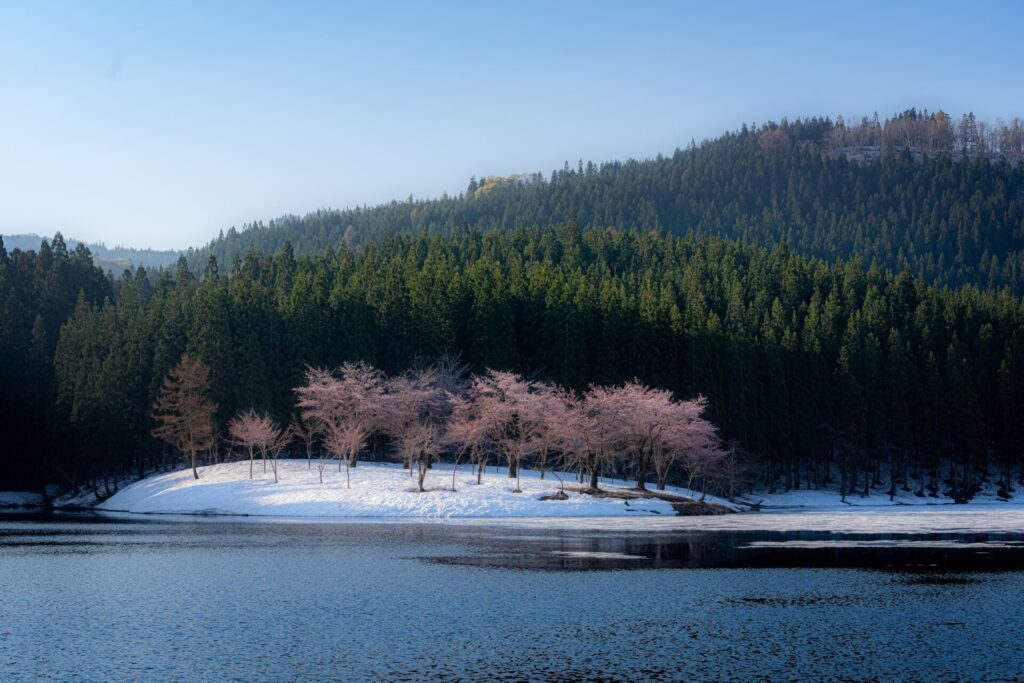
{"x":307,"y":433}
{"x":704,"y":464}
{"x":244,"y":431}
{"x":183,"y":412}
{"x":273,"y":440}
{"x":845,"y":449}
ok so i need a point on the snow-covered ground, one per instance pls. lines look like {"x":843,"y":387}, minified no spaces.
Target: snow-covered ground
{"x":378,"y":491}
{"x":878,"y":497}
{"x":386,"y":492}
{"x":20,"y":499}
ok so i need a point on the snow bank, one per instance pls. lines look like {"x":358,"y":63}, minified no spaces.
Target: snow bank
{"x":386,"y":492}
{"x":378,"y":491}
{"x":828,"y":499}
{"x":20,"y":499}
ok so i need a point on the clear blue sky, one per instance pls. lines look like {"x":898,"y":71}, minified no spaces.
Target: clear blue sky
{"x":158,"y":124}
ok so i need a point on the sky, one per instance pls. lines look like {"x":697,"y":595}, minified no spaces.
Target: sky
{"x":159,"y":124}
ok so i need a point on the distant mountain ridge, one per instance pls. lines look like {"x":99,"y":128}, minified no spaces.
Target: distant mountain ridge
{"x":114,"y":259}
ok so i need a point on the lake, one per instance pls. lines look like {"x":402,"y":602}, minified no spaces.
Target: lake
{"x":103,"y":598}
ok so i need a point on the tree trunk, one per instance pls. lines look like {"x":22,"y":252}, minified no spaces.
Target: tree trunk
{"x":593,"y":479}
{"x":842,"y":478}
{"x":892,"y":479}
{"x":195,"y":472}
{"x":422,"y":474}
{"x":952,"y":479}
{"x":455,"y":467}
{"x":641,"y":474}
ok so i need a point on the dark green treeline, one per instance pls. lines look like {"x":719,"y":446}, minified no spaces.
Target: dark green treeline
{"x":38,"y":291}
{"x":781,"y":345}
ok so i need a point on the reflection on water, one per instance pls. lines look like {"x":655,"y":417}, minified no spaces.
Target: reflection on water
{"x":96,"y":599}
{"x":752,"y":549}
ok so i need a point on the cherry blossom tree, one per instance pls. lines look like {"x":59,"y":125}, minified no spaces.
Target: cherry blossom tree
{"x":428,"y":409}
{"x":345,"y":407}
{"x":590,"y":436}
{"x":511,"y":410}
{"x":244,"y":432}
{"x":414,"y":409}
{"x":467,"y":432}
{"x":644,"y":418}
{"x":552,"y":406}
{"x":341,"y":439}
{"x":317,"y":406}
{"x":360,"y":387}
{"x":691,"y":441}
{"x":568,"y":435}
{"x":259,"y":433}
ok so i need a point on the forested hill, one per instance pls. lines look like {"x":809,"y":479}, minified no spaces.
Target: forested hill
{"x":920,"y":192}
{"x":114,"y":259}
{"x":917,"y":376}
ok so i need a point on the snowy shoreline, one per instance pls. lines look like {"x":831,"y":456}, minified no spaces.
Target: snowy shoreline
{"x":377,"y":491}
{"x":386,"y":492}
{"x":17,"y":500}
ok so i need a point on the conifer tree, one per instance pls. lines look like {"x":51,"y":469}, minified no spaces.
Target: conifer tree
{"x":183,"y":411}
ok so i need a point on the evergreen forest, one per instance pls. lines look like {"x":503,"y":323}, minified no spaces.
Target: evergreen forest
{"x":807,"y":365}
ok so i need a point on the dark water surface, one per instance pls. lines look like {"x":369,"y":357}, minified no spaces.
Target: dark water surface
{"x":153,"y":599}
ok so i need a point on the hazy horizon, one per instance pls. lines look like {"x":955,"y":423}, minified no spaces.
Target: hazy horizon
{"x":158,"y":127}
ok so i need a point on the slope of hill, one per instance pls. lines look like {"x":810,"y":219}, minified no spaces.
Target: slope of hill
{"x":914,"y":192}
